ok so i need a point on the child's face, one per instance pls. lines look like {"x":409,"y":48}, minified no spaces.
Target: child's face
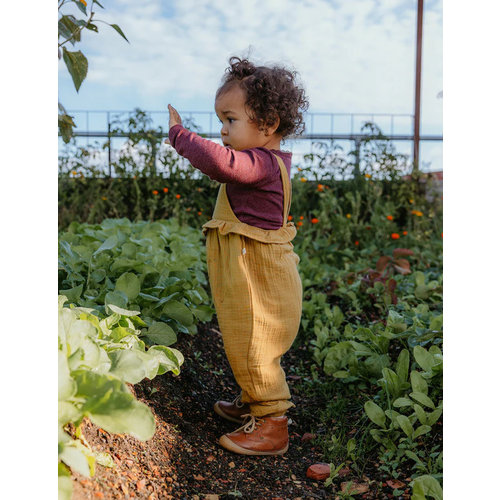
{"x":238,"y":132}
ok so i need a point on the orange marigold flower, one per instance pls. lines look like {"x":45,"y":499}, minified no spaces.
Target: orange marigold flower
{"x":390,"y":217}
{"x":178,"y":196}
{"x":290,"y":217}
{"x":348,"y":216}
{"x":314,"y":220}
{"x":301,"y":217}
{"x":441,"y":235}
{"x":367,"y":176}
{"x":103,"y":198}
{"x":356,"y":242}
{"x":418,"y":213}
{"x":299,"y":223}
{"x":395,"y":236}
{"x":303,"y":179}
{"x":165,"y":190}
{"x":405,"y":233}
{"x":411,"y":200}
{"x":299,"y":169}
{"x":155,"y":192}
{"x":321,"y":187}
{"x":199,"y":213}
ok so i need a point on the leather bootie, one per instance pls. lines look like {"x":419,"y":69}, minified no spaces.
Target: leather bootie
{"x":232,"y":411}
{"x":258,"y":436}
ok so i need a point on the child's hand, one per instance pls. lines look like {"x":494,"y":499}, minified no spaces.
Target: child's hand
{"x":174,"y":119}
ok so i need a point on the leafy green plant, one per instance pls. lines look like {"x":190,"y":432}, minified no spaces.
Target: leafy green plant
{"x":155,"y":268}
{"x":98,"y":355}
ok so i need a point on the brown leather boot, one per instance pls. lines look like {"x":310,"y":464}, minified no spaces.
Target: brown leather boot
{"x":232,"y":411}
{"x":258,"y":436}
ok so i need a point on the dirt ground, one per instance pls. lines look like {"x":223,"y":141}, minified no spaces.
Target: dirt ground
{"x":183,"y":459}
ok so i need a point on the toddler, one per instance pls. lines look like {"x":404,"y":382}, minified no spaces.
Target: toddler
{"x":252,"y":267}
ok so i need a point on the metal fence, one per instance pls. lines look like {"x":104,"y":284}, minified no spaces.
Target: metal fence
{"x":319,"y":126}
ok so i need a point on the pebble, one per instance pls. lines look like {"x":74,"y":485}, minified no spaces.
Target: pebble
{"x":319,"y":471}
{"x":308,"y":437}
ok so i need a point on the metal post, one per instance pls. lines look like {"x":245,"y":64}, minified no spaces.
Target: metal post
{"x":418,"y":71}
{"x":109,"y":144}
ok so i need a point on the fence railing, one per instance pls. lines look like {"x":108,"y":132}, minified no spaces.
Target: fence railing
{"x":319,"y":126}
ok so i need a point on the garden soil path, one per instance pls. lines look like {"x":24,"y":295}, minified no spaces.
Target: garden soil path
{"x":183,"y":459}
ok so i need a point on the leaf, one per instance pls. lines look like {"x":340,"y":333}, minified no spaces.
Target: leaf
{"x":419,"y":278}
{"x":433,"y":417}
{"x":65,"y":483}
{"x":375,"y":413}
{"x":419,"y":431}
{"x":382,"y":263}
{"x":75,"y":459}
{"x":203,"y":313}
{"x":396,"y":322}
{"x":402,"y":266}
{"x":423,"y":358}
{"x":161,"y":333}
{"x":338,"y":357}
{"x":123,"y":312}
{"x":392,"y":381}
{"x":129,"y":284}
{"x":403,"y":364}
{"x":110,"y":405}
{"x":66,"y":384}
{"x":72,"y":294}
{"x":118,"y":29}
{"x":421,"y":414}
{"x":132,"y":365}
{"x":116,"y":298}
{"x":77,"y":65}
{"x":81,"y":6}
{"x":104,"y":459}
{"x":108,"y":244}
{"x":65,"y":123}
{"x":178,"y":311}
{"x":418,"y":383}
{"x":402,"y":402}
{"x":425,"y":486}
{"x":422,"y":399}
{"x":405,"y":424}
{"x":401,"y":252}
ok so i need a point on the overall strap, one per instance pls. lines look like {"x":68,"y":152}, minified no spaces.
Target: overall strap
{"x":287,"y":189}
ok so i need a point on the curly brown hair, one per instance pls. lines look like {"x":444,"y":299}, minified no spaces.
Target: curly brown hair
{"x":272,"y":92}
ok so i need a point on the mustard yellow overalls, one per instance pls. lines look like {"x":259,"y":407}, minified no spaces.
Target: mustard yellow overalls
{"x":257,"y":295}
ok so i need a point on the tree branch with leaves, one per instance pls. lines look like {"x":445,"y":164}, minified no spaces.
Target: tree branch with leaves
{"x":70,"y":30}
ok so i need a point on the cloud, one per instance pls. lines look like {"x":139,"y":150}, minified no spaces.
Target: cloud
{"x":352,"y":56}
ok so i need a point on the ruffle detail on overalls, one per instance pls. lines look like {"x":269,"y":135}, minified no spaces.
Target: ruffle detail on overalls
{"x":284,"y":234}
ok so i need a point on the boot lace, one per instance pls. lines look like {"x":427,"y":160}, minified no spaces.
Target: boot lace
{"x":237,"y":402}
{"x":250,"y":425}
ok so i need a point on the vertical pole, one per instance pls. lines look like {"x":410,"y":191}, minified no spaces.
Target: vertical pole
{"x":109,"y":144}
{"x":418,"y":74}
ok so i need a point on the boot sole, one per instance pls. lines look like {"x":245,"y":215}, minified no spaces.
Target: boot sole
{"x":221,"y":413}
{"x":226,"y":443}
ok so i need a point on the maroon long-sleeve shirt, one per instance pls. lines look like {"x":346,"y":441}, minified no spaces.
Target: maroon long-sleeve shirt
{"x":252,"y":176}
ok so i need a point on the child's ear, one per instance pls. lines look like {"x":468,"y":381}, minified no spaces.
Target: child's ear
{"x":272,"y":129}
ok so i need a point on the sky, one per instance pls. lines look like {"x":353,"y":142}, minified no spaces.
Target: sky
{"x":352,"y":57}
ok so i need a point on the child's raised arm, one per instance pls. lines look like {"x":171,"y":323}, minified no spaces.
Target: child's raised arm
{"x":251,"y":166}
